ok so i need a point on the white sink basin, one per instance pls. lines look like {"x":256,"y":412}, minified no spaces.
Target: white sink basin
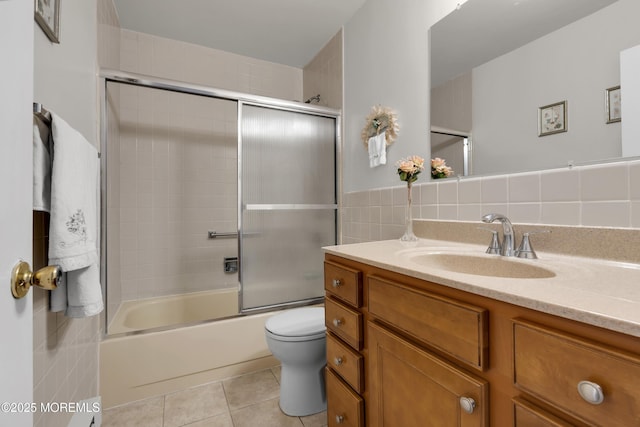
{"x":482,"y":265}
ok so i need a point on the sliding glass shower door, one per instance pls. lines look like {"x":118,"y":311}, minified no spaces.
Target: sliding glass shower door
{"x":288,"y":207}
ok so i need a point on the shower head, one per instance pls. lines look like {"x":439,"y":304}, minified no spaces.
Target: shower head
{"x":313,"y":98}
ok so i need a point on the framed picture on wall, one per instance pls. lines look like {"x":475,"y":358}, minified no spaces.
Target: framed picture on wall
{"x":612,"y":104}
{"x":47,"y":14}
{"x":552,"y":118}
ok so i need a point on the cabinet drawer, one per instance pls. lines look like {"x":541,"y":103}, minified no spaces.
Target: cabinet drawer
{"x":345,"y":362}
{"x":455,"y":328}
{"x":344,"y":407}
{"x":344,"y":283}
{"x":527,"y":414}
{"x":550,"y":364}
{"x":344,"y":322}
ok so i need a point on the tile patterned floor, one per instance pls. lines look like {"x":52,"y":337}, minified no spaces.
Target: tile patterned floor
{"x":245,"y":401}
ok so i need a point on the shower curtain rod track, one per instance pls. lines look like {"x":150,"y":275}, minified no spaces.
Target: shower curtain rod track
{"x":193,"y":89}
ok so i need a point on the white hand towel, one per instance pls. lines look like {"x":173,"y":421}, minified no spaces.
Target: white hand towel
{"x":41,"y":166}
{"x":74,"y":221}
{"x":377,"y":146}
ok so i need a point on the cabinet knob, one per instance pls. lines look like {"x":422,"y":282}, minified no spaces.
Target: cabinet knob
{"x":591,"y":392}
{"x":336,"y":283}
{"x":337,"y":322}
{"x":337,"y":361}
{"x":339,"y":419}
{"x":467,"y":404}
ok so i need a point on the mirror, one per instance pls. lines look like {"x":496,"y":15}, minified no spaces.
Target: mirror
{"x":495,"y":63}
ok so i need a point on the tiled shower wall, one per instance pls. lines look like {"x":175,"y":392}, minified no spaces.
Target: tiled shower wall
{"x":605,"y":195}
{"x":178,"y":180}
{"x":323,"y":74}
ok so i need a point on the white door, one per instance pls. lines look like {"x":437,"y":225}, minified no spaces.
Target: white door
{"x":16,"y":96}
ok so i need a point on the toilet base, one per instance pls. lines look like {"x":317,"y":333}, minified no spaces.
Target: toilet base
{"x":302,"y":391}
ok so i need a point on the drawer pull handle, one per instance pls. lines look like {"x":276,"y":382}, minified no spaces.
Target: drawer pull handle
{"x":591,"y":392}
{"x":337,"y":322}
{"x":337,"y":361}
{"x":339,"y":419}
{"x":336,"y":283}
{"x":467,"y":404}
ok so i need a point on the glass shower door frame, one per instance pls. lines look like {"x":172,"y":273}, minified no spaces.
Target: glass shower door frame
{"x":242,"y":206}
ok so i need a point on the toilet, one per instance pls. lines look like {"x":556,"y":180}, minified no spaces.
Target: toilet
{"x":296,"y":337}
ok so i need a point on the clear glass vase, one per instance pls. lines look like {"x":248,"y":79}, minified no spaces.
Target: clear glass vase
{"x":408,"y":235}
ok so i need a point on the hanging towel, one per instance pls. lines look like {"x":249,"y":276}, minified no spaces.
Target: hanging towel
{"x":74,"y":221}
{"x":377,"y":146}
{"x":41,"y":166}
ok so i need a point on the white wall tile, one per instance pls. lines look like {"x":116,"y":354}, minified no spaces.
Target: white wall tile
{"x":524,"y":212}
{"x":634,"y":180}
{"x":448,"y":192}
{"x":524,"y":188}
{"x":469,"y":191}
{"x":606,"y":214}
{"x":560,"y":185}
{"x":494,"y":190}
{"x":605,"y":182}
{"x":561,"y":213}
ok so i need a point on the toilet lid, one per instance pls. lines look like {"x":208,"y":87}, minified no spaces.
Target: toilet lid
{"x":298,"y":322}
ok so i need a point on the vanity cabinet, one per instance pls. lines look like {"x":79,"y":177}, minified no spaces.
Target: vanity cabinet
{"x":408,"y":352}
{"x":345,"y":338}
{"x":593,"y":383}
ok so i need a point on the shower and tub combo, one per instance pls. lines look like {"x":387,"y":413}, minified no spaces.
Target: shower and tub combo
{"x":216,"y":205}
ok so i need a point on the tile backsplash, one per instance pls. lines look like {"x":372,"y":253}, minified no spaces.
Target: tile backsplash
{"x":604,"y":195}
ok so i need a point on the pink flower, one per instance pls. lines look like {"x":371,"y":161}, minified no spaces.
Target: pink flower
{"x":409,"y":168}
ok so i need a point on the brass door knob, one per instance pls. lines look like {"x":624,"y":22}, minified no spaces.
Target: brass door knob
{"x":22,"y":278}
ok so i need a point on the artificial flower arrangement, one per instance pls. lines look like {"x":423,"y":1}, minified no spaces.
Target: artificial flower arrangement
{"x":410,"y":168}
{"x":439,"y":168}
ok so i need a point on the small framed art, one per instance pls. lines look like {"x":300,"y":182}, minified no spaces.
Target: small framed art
{"x":552,"y":118}
{"x":47,"y":14}
{"x":612,"y":104}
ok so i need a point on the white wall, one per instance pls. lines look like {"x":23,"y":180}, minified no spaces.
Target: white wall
{"x":576,"y":63}
{"x":386,"y":62}
{"x":65,"y":73}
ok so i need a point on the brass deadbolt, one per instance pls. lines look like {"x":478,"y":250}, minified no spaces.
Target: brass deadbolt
{"x":22,"y":278}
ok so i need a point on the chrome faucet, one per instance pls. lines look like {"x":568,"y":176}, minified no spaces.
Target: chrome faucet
{"x":508,"y":239}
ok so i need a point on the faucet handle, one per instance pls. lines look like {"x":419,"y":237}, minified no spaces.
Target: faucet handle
{"x":494,"y":246}
{"x":525,"y":250}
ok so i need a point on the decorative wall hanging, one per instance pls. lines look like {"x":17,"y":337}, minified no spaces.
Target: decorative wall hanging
{"x":612,"y":104}
{"x":552,"y":118}
{"x":380,"y":131}
{"x":47,"y":14}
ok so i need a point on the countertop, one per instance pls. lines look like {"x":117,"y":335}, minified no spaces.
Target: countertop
{"x":597,"y":292}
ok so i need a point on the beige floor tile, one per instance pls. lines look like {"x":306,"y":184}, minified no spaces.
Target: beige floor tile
{"x":194,"y":404}
{"x":315,"y":420}
{"x":223,"y":420}
{"x":277,"y":371}
{"x":252,"y":388}
{"x":145,"y":413}
{"x":263,"y":414}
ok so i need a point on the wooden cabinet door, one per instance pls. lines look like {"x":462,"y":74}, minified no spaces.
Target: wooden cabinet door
{"x":410,"y":387}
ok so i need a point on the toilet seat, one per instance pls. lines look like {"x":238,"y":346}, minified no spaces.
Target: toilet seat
{"x":301,"y":324}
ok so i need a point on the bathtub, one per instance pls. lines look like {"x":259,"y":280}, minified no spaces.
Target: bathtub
{"x":146,"y":364}
{"x":174,"y":310}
